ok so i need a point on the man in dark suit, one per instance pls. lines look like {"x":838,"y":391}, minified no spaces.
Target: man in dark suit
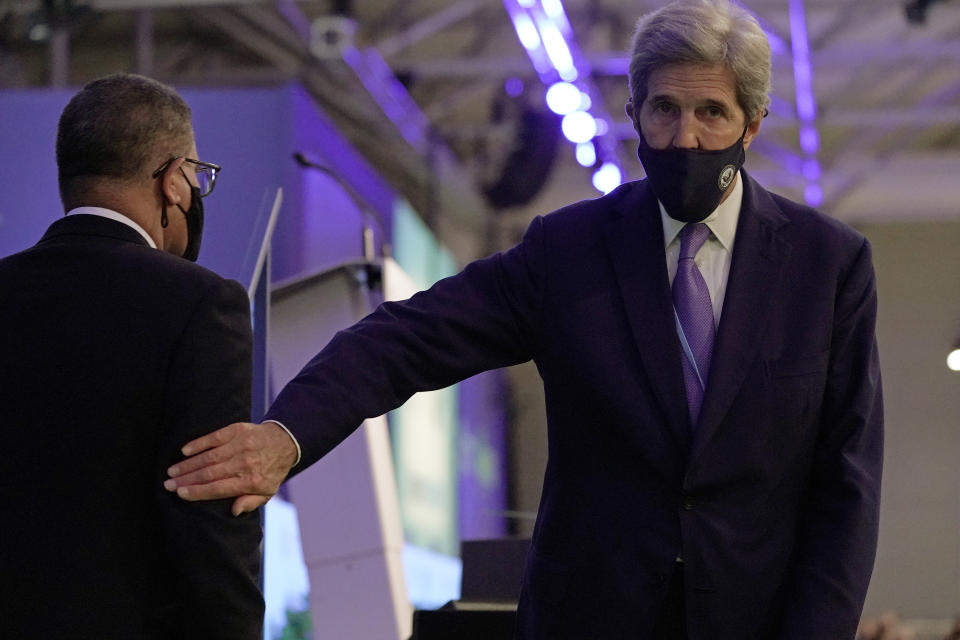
{"x":113,"y":352}
{"x":708,"y":354}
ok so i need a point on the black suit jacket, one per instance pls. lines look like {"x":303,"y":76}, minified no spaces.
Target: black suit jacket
{"x":112,"y":356}
{"x":773,"y":502}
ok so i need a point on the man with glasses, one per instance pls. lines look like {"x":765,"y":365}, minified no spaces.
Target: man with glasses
{"x":114,"y":354}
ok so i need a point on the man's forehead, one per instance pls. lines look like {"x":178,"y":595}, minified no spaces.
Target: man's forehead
{"x":701,"y":83}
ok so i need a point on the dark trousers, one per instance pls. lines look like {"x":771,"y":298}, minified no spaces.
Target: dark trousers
{"x":672,"y":623}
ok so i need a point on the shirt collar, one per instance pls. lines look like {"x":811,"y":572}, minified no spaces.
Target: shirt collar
{"x":113,"y":215}
{"x":722,"y":222}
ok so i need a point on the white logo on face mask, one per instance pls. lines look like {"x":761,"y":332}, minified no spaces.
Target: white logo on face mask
{"x":726,"y":177}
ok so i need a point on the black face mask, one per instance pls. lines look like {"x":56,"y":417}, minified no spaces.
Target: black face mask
{"x":194,"y":216}
{"x":690,"y":182}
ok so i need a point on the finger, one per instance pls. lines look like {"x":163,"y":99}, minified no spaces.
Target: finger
{"x":214,"y":439}
{"x":208,"y":458}
{"x":226,"y":488}
{"x":206,"y":475}
{"x":246,"y":504}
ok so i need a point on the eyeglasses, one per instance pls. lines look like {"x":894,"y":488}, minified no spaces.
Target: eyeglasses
{"x":206,"y":173}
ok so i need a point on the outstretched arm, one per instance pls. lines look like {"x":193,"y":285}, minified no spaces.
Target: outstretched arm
{"x":482,"y":318}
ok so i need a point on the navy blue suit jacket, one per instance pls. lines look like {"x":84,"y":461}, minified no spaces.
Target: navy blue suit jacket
{"x":773,"y":503}
{"x":112,"y":356}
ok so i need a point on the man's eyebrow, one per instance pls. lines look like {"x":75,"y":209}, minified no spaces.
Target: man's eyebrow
{"x":716,"y":103}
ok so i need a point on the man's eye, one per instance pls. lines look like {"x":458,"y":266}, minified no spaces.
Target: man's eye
{"x":663,"y":107}
{"x":714,"y":112}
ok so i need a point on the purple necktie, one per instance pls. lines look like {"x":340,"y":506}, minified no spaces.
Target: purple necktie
{"x":691,"y":299}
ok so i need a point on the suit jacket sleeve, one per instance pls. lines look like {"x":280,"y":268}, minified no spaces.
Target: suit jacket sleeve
{"x":479,"y":319}
{"x":838,"y":536}
{"x":217,"y":556}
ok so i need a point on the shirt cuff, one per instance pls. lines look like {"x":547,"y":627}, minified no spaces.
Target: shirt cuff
{"x":295,"y":443}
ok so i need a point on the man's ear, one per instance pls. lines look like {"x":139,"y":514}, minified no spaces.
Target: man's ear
{"x":168,"y":182}
{"x":752,"y":130}
{"x":633,"y":115}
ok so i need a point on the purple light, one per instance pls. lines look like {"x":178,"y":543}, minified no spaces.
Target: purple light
{"x":557,"y":50}
{"x":809,"y":140}
{"x":811,"y":170}
{"x":586,"y":154}
{"x":513,"y":87}
{"x":806,"y":103}
{"x":777,"y":45}
{"x":529,"y":38}
{"x":579,"y":126}
{"x":526,"y":4}
{"x":607,"y":177}
{"x":554,"y":10}
{"x":813,"y":194}
{"x":563,"y":98}
{"x":806,"y":107}
{"x":526,"y":31}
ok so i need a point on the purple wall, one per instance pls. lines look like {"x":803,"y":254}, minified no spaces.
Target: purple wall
{"x":28,"y":169}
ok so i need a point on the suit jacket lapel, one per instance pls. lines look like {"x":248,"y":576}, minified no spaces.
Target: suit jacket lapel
{"x":758,"y":257}
{"x":635,"y":239}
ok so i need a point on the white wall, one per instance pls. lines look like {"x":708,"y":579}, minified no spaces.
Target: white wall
{"x":918,"y":275}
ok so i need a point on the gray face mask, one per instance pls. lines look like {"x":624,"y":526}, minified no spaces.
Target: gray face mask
{"x":690,"y":182}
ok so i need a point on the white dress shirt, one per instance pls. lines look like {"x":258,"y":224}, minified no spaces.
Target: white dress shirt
{"x":714,"y":256}
{"x":113,"y":215}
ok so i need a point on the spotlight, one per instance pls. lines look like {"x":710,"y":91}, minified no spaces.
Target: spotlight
{"x":953,"y":360}
{"x":607,"y":177}
{"x":579,"y":126}
{"x":586,"y":154}
{"x":563,"y":98}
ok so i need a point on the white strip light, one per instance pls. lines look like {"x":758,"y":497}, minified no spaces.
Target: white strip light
{"x":556,"y":58}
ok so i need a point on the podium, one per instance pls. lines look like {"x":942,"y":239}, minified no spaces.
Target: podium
{"x":346,"y":503}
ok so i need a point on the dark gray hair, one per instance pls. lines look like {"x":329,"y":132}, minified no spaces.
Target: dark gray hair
{"x":703,"y":32}
{"x":115,"y":127}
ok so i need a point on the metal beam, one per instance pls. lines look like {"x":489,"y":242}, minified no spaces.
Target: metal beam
{"x":848,"y":56}
{"x":840,"y":58}
{"x":435,"y":23}
{"x":290,"y":12}
{"x":116,"y":5}
{"x":278,"y":27}
{"x":481,"y":67}
{"x":243,"y":32}
{"x":889,"y":118}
